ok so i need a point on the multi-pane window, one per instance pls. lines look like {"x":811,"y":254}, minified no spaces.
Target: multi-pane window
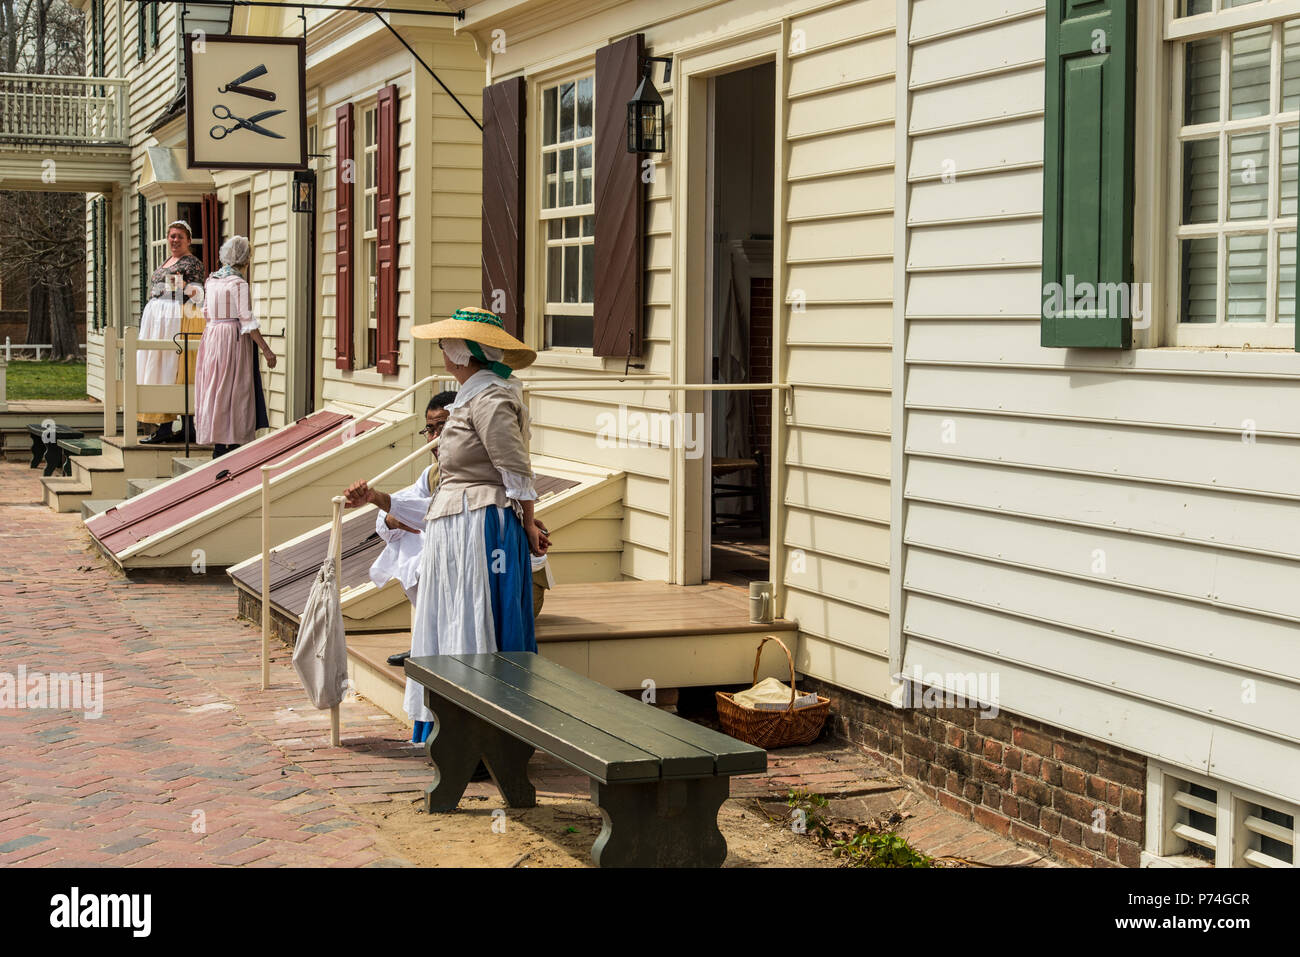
{"x":369,"y":343}
{"x":1237,"y":103}
{"x":158,"y":251}
{"x":568,"y":211}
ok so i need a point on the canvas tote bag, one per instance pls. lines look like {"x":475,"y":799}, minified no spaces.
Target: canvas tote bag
{"x":320,"y":655}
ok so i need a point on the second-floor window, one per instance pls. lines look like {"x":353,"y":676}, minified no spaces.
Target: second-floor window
{"x":146,"y":28}
{"x":568,"y":211}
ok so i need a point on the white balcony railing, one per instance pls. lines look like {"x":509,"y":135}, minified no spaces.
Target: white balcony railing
{"x":63,"y":109}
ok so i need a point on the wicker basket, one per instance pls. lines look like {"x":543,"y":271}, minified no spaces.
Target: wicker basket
{"x":773,"y":729}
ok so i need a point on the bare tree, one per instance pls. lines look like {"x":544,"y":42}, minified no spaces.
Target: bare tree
{"x":46,"y":242}
{"x":44,"y":234}
{"x":42,"y":36}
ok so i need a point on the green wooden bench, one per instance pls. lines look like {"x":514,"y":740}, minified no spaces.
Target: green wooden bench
{"x":49,"y":451}
{"x":67,"y":448}
{"x":658,"y":779}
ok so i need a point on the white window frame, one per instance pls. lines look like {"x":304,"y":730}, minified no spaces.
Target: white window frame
{"x":367,"y":307}
{"x":546,"y":215}
{"x":158,"y":220}
{"x":1177,"y":31}
{"x":1231,"y":835}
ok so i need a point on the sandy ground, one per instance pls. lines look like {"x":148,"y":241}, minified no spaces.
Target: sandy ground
{"x":559,"y":832}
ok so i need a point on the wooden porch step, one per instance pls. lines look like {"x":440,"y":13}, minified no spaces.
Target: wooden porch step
{"x":65,"y":493}
{"x":136,"y":486}
{"x":93,"y":506}
{"x":181,"y":464}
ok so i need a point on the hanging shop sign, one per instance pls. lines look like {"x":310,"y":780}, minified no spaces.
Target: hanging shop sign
{"x":246,"y":103}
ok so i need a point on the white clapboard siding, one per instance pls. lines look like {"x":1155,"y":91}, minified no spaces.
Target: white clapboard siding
{"x":839,"y":291}
{"x":1107,"y":534}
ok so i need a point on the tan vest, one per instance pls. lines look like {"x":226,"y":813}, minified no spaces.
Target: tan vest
{"x":487,"y":433}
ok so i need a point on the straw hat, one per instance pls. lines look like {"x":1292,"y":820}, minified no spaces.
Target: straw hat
{"x":486,"y":328}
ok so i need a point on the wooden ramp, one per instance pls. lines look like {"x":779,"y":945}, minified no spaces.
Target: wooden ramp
{"x":213,"y":511}
{"x":620,"y":634}
{"x":580,"y":504}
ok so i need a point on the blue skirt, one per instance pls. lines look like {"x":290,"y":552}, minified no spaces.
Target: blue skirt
{"x":510,"y":584}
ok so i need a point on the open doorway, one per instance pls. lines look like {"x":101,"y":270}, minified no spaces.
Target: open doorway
{"x":738,"y":473}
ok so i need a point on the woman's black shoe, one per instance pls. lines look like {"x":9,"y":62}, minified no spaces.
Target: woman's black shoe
{"x":164,"y":434}
{"x":397,"y":659}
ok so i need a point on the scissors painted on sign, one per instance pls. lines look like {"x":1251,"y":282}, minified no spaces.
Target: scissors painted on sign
{"x":222,"y":112}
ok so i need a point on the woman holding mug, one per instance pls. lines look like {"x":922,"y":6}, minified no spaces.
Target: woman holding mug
{"x":174,"y":286}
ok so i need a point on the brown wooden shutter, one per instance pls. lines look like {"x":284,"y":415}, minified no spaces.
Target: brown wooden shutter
{"x":386,"y":115}
{"x":344,"y":174}
{"x":619,"y":211}
{"x":503,"y":202}
{"x":210,"y":226}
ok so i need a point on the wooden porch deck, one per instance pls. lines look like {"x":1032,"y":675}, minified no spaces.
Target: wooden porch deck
{"x":620,"y":634}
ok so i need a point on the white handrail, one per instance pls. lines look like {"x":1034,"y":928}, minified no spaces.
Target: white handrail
{"x":584,"y":383}
{"x":267,"y":482}
{"x":671,"y":387}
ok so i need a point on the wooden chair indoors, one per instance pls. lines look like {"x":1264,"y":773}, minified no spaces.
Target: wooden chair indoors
{"x":754,"y":489}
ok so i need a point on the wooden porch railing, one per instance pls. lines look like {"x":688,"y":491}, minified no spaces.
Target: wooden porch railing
{"x":121,"y":391}
{"x":78,"y":110}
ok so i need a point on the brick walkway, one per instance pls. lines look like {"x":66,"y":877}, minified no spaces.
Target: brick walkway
{"x":190,"y":764}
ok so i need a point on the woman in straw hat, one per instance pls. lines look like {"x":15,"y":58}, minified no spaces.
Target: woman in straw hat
{"x":476,"y":580}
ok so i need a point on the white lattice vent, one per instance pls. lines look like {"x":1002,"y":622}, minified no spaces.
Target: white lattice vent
{"x":1195,"y":821}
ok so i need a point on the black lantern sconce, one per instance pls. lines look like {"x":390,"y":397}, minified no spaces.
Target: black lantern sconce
{"x":304,"y":191}
{"x":645,"y":111}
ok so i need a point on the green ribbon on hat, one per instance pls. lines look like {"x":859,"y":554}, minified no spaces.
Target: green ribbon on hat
{"x":475,"y":349}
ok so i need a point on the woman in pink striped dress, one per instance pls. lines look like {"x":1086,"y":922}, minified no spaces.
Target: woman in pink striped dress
{"x":224,"y":389}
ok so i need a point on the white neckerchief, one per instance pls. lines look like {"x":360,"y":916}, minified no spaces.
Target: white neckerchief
{"x":482,"y":380}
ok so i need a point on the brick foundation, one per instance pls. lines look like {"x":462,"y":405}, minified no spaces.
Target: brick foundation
{"x":1029,"y":781}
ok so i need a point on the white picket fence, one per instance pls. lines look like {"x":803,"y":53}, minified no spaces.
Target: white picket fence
{"x":22,"y":347}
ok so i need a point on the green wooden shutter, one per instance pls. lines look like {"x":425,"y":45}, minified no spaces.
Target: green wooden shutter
{"x":101,"y":277}
{"x":97,"y":38}
{"x":1088,"y":173}
{"x":153,"y":23}
{"x":92,"y":304}
{"x":142,"y":221}
{"x":139,"y":31}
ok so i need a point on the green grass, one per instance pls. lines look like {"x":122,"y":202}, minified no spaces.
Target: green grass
{"x":46,"y":380}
